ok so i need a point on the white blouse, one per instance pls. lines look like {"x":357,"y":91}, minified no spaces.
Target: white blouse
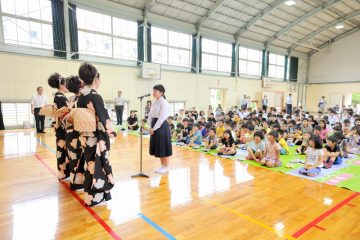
{"x":159,"y":109}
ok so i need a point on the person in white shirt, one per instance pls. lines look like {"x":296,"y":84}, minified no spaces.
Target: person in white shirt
{"x":289,"y":104}
{"x":265,"y":102}
{"x":332,"y":118}
{"x":160,"y":136}
{"x":38,"y":101}
{"x":322,"y":104}
{"x":119,"y":107}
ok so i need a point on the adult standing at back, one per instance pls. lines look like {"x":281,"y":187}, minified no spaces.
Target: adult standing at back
{"x":264,"y":103}
{"x":119,"y":107}
{"x":289,"y":104}
{"x":322,"y":104}
{"x":38,"y":101}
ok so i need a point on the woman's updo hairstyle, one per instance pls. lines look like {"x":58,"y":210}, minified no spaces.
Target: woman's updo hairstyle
{"x":87,"y":73}
{"x":55,"y":80}
{"x":74,"y":84}
{"x":160,"y":88}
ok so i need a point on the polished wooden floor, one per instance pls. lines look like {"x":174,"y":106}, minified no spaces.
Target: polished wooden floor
{"x":203,"y":197}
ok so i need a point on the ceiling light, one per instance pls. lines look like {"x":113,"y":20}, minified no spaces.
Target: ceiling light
{"x":339,"y":26}
{"x":290,"y":2}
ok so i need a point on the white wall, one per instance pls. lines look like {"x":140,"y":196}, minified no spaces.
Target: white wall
{"x":21,"y":74}
{"x":338,"y":63}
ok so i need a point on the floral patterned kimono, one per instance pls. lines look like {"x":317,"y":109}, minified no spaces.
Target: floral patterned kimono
{"x":60,"y":101}
{"x":75,"y":155}
{"x":96,"y":146}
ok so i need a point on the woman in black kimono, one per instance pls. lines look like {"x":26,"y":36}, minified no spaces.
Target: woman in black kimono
{"x":96,"y":145}
{"x":60,"y":100}
{"x":73,"y":146}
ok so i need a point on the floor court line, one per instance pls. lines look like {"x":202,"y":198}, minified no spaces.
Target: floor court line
{"x":314,"y":222}
{"x":263,"y":225}
{"x":142,"y":216}
{"x":91,"y":211}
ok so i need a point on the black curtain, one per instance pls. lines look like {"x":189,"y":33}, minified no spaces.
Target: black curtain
{"x":233,"y":60}
{"x":74,"y":40}
{"x":193,"y":53}
{"x":58,"y":28}
{"x":265,"y":63}
{"x":140,"y":42}
{"x":286,"y":66}
{"x":148,"y":37}
{"x":2,"y":127}
{"x":293,"y":71}
{"x":200,"y":54}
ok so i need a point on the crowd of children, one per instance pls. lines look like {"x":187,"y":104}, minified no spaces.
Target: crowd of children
{"x":325,"y":139}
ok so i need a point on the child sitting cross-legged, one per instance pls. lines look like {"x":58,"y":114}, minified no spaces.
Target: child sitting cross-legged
{"x":305,"y":143}
{"x":283,"y":144}
{"x":211,"y":141}
{"x":256,"y":147}
{"x":227,"y":144}
{"x":196,"y":136}
{"x":332,"y":153}
{"x":314,"y":157}
{"x":176,"y":134}
{"x":272,"y":151}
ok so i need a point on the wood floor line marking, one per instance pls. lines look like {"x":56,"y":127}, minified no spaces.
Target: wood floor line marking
{"x":92,"y":212}
{"x":314,"y":222}
{"x":250,"y":219}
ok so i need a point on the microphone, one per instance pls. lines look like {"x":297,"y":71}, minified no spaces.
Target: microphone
{"x":144,"y":96}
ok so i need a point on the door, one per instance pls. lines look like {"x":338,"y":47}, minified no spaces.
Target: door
{"x":216,"y":98}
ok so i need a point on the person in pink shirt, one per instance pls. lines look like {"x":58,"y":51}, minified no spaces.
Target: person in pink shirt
{"x":323,"y":131}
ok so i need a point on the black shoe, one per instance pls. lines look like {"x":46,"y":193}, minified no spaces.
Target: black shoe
{"x":220,"y":154}
{"x":42,"y":131}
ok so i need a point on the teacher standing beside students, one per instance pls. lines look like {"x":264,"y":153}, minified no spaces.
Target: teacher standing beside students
{"x":160,"y":136}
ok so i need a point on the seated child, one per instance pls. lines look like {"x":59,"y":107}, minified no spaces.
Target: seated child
{"x":305,"y":143}
{"x":297,"y":137}
{"x":196,"y":137}
{"x":249,"y":135}
{"x":272,"y":151}
{"x":176,"y":135}
{"x":343,"y":144}
{"x":227,"y":144}
{"x":211,"y":141}
{"x":354,"y":140}
{"x":211,"y":118}
{"x":220,"y":129}
{"x":144,"y":130}
{"x":256,"y":147}
{"x":132,"y":121}
{"x":170,"y":120}
{"x":206,"y":129}
{"x":283,"y":144}
{"x":332,"y":153}
{"x":314,"y":157}
{"x":185,"y":131}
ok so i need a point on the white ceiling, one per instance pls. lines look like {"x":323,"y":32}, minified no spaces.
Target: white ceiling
{"x":270,"y":22}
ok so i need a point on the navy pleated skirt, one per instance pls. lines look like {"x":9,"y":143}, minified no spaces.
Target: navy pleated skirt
{"x":160,"y":141}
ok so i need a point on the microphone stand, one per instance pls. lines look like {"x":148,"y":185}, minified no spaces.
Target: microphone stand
{"x":141,"y":174}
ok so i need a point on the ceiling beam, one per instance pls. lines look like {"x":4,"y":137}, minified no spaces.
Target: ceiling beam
{"x":320,"y":30}
{"x":337,"y":38}
{"x":258,"y":17}
{"x":213,"y":9}
{"x":302,"y":18}
{"x":149,"y":4}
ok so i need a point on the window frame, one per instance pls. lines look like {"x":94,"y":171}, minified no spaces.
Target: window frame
{"x":168,"y":47}
{"x":29,"y":19}
{"x":247,"y":60}
{"x":217,"y":55}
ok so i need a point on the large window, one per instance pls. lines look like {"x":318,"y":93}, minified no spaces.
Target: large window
{"x":106,"y":36}
{"x":170,"y":48}
{"x":17,"y":114}
{"x":250,"y":61}
{"x":216,"y":55}
{"x":276,"y":65}
{"x":27,"y":23}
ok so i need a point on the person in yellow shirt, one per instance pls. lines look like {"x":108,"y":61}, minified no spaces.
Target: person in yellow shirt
{"x":220,"y":129}
{"x":283,"y":144}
